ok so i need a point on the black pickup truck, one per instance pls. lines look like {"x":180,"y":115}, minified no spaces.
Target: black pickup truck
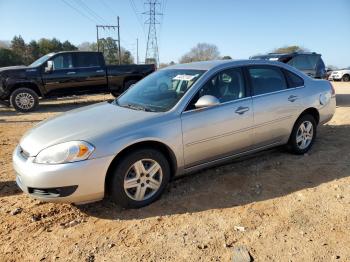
{"x":65,"y":74}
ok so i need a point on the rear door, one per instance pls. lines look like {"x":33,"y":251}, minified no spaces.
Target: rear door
{"x":276,"y":103}
{"x":90,"y":72}
{"x":218,"y":131}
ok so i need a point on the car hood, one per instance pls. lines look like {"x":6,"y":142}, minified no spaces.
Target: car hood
{"x":10,"y":68}
{"x":87,"y":124}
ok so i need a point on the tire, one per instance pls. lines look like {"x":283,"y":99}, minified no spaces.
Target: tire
{"x":24,"y":99}
{"x":128,"y":84}
{"x":345,"y":78}
{"x":131,"y":188}
{"x":301,"y":140}
{"x":125,"y":87}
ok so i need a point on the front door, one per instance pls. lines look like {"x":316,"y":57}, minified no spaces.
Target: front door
{"x":218,"y":131}
{"x":62,"y":79}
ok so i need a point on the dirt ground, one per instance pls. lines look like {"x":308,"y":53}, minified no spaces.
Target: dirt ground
{"x":281,"y":207}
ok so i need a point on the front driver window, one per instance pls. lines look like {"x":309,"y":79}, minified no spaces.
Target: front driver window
{"x":226,"y":86}
{"x":63,"y":61}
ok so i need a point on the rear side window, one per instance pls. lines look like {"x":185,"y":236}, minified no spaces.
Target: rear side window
{"x":304,"y":62}
{"x":293,"y":80}
{"x":86,"y":60}
{"x":266,"y":79}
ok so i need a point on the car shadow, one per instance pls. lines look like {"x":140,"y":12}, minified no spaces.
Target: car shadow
{"x":266,"y":175}
{"x":9,"y":188}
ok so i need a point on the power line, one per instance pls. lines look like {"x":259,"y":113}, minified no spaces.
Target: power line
{"x":90,"y":11}
{"x":108,"y":7}
{"x":134,"y":8}
{"x":78,"y":11}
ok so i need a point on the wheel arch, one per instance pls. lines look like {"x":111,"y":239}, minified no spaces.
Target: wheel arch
{"x":163,"y":148}
{"x":313,"y":112}
{"x":29,"y":85}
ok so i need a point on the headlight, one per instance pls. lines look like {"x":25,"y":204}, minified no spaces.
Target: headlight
{"x":66,"y":152}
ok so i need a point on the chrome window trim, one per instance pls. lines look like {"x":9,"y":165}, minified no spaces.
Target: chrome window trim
{"x":207,"y":78}
{"x":277,"y":92}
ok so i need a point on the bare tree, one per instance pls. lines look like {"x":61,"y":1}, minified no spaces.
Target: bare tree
{"x":201,"y":52}
{"x":289,"y":49}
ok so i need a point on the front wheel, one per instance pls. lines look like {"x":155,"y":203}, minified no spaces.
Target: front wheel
{"x":24,"y":99}
{"x":303,"y":135}
{"x":139,"y":178}
{"x":345,"y":78}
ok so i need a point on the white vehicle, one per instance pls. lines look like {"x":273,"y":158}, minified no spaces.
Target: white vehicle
{"x":343,"y":75}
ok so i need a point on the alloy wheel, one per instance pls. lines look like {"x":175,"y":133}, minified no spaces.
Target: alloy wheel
{"x":143,"y":179}
{"x":24,"y":101}
{"x":304,"y":135}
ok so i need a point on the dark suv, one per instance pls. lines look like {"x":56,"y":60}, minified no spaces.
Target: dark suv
{"x":310,"y":63}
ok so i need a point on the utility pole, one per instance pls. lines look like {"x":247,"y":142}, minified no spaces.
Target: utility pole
{"x":152,"y":54}
{"x":120,"y":56}
{"x":109,"y":27}
{"x":137,"y":50}
{"x":98,"y":42}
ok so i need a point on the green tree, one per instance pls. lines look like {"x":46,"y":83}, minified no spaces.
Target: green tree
{"x":18,"y":46}
{"x":9,"y":58}
{"x":33,"y":50}
{"x":226,"y":57}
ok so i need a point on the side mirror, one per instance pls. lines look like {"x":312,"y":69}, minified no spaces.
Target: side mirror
{"x":49,"y":66}
{"x":207,"y":101}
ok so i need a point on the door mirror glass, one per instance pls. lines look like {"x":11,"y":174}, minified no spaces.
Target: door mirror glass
{"x":207,"y":101}
{"x":49,"y":66}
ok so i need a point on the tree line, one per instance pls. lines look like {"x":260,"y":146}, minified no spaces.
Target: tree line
{"x":18,"y":52}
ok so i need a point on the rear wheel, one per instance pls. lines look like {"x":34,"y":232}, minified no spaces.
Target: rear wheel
{"x":139,"y":178}
{"x":24,"y":99}
{"x":345,"y":78}
{"x":303,"y":135}
{"x":129,"y":84}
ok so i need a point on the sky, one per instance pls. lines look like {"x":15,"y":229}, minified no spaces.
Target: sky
{"x":239,"y":28}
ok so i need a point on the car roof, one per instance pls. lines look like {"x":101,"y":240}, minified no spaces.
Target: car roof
{"x":75,"y":51}
{"x":281,"y":55}
{"x":209,"y":65}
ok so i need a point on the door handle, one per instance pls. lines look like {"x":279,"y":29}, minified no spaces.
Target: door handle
{"x":71,"y":73}
{"x":100,"y":71}
{"x":241,"y":110}
{"x":292,"y":98}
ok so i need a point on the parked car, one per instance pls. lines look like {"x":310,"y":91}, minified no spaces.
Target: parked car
{"x":340,"y":75}
{"x":209,"y":113}
{"x":65,"y":74}
{"x":310,"y":63}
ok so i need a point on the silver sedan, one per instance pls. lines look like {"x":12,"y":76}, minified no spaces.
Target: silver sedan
{"x":177,"y":120}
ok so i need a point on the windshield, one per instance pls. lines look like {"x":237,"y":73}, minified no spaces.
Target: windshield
{"x":40,"y":60}
{"x":160,"y":91}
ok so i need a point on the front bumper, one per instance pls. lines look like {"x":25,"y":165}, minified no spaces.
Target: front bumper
{"x":334,"y":77}
{"x":78,"y":182}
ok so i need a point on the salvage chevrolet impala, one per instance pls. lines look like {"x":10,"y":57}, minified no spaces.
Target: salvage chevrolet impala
{"x":175,"y":121}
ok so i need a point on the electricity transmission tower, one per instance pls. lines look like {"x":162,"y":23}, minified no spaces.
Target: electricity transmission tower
{"x":152,"y":55}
